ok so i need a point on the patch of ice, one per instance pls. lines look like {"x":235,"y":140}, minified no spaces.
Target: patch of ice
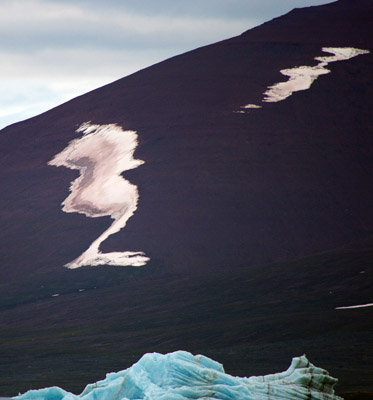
{"x":358,"y":306}
{"x":101,"y":155}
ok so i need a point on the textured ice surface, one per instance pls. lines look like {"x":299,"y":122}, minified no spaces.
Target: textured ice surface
{"x":101,"y":155}
{"x":182,"y":376}
{"x":301,"y":78}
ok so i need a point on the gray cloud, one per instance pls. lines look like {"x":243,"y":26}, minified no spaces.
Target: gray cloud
{"x":34,"y":24}
{"x":262,"y":9}
{"x":28,"y":25}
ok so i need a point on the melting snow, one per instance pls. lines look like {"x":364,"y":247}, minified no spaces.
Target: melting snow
{"x":101,"y":155}
{"x":340,"y":54}
{"x":301,"y":78}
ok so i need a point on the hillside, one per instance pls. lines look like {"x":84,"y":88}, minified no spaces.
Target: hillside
{"x":258,"y":222}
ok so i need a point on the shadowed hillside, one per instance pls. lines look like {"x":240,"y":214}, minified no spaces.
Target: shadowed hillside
{"x":258,"y":224}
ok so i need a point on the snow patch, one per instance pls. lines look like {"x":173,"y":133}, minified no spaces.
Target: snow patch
{"x":101,"y":155}
{"x":340,"y":54}
{"x":251,"y":106}
{"x":301,"y":78}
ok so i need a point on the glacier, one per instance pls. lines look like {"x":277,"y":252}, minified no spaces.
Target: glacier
{"x":181,"y":376}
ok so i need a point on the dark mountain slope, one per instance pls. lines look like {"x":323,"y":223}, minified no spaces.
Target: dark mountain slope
{"x":217,"y":188}
{"x":253,"y":321}
{"x":346,"y":20}
{"x":223,"y":195}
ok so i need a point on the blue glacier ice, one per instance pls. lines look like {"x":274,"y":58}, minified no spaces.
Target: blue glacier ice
{"x":181,"y":376}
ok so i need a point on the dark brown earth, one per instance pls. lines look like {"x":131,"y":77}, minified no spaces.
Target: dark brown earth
{"x":258,"y":225}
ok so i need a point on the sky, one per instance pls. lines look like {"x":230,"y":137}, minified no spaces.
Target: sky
{"x":54,"y":50}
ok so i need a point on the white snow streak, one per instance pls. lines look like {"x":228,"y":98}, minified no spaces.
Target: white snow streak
{"x":101,"y":155}
{"x":251,"y":106}
{"x":359,"y":306}
{"x":301,"y":78}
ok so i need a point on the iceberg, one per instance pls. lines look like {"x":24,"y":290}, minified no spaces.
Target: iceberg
{"x":181,"y":376}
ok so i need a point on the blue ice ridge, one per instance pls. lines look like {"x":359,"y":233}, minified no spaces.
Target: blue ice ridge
{"x":183,"y":376}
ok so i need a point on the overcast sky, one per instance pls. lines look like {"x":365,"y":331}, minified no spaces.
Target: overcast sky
{"x":54,"y":50}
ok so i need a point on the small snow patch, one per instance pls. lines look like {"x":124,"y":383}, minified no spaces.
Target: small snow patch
{"x":251,"y":106}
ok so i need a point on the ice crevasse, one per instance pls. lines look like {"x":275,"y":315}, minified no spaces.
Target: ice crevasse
{"x":181,"y":375}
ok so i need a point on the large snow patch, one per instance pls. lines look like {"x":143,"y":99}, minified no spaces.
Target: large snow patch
{"x":101,"y":155}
